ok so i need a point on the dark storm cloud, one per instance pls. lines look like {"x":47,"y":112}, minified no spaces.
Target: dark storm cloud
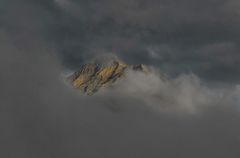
{"x":42,"y":117}
{"x":129,"y":28}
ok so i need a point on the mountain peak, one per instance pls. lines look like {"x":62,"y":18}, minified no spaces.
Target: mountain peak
{"x":93,"y":76}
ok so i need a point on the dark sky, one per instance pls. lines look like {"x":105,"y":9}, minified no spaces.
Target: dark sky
{"x":185,"y":116}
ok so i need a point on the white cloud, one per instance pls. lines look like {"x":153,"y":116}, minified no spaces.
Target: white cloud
{"x":185,"y":93}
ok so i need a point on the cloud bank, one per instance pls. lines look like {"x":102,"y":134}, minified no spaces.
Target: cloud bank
{"x":185,"y":93}
{"x":180,"y":37}
{"x":179,"y":116}
{"x":42,"y":117}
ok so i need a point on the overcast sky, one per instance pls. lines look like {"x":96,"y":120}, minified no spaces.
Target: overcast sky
{"x":194,"y":113}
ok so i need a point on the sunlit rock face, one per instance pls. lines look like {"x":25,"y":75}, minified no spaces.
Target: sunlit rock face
{"x":95,"y":75}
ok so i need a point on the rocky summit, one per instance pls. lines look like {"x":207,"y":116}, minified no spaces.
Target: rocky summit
{"x":93,"y":76}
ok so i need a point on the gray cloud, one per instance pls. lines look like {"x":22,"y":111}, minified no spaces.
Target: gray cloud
{"x":42,"y":117}
{"x":80,"y":29}
{"x":183,"y":94}
{"x":129,"y":28}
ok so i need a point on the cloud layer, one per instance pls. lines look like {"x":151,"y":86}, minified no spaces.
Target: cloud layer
{"x":179,"y":116}
{"x":187,"y":36}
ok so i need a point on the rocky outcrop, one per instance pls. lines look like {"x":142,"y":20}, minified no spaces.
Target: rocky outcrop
{"x":91,"y":77}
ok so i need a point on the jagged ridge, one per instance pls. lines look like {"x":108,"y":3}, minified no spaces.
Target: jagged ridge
{"x":91,"y":77}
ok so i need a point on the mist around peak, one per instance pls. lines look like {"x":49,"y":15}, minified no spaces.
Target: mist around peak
{"x":151,"y":87}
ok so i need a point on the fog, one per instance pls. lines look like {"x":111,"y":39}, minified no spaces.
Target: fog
{"x":169,"y":113}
